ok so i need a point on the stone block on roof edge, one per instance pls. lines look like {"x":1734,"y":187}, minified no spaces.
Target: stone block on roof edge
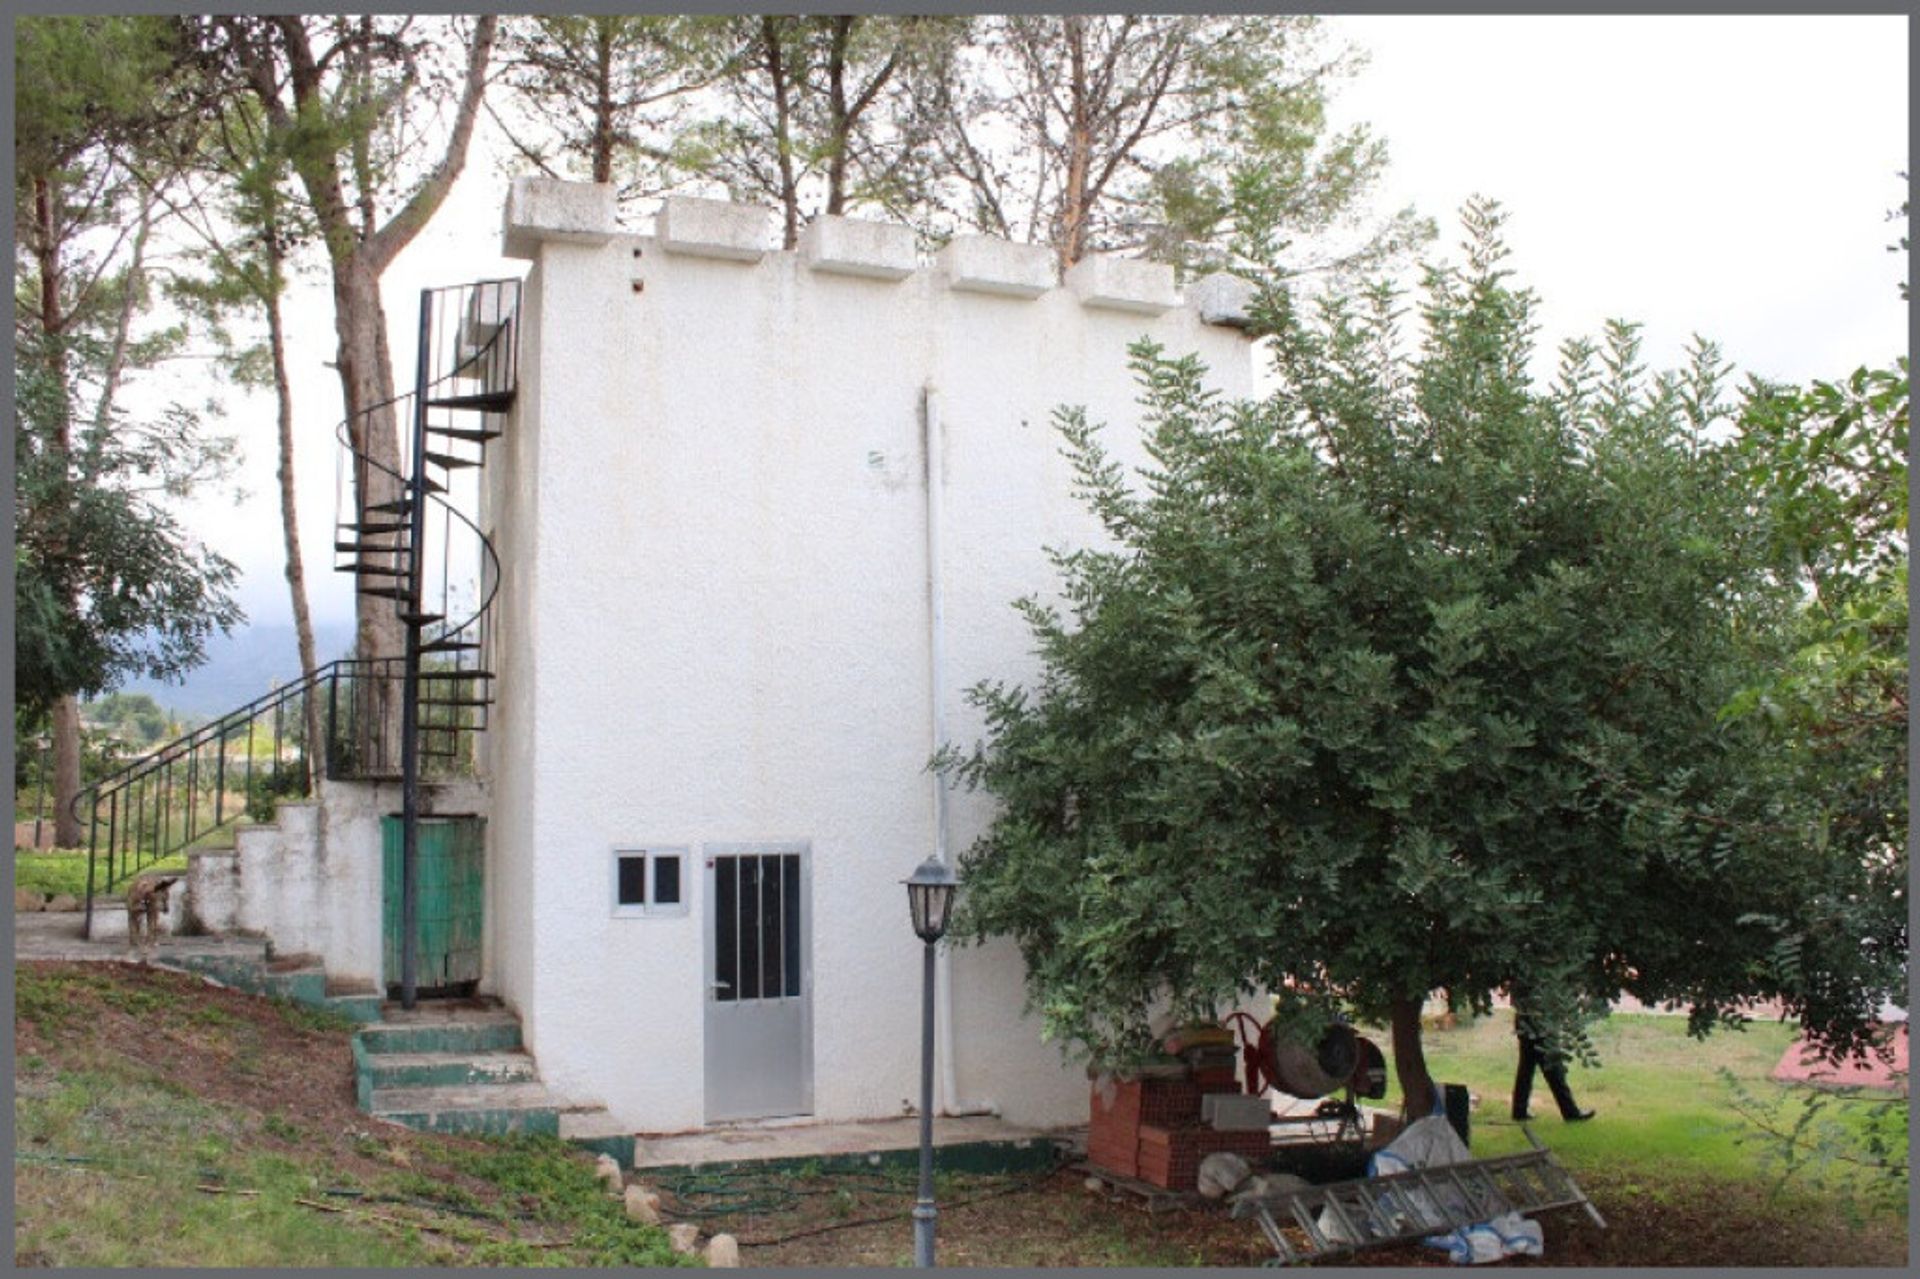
{"x":705,"y":228}
{"x":858,"y":246}
{"x":1223,"y":299}
{"x":1124,"y":284}
{"x":988,"y":264}
{"x":550,"y":209}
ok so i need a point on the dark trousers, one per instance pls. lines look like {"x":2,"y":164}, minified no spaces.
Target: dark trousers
{"x":1532,"y":1056}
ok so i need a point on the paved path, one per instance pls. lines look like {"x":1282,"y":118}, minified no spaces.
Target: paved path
{"x":753,"y":1143}
{"x":50,"y":934}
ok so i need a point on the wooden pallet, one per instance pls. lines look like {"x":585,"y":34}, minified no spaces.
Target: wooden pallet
{"x":1152,"y":1198}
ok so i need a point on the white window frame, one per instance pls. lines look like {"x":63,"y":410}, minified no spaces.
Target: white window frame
{"x":650,"y":853}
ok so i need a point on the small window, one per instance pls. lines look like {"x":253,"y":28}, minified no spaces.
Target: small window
{"x":647,"y":881}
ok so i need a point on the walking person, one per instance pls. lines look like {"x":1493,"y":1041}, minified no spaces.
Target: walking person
{"x":1534,"y":1054}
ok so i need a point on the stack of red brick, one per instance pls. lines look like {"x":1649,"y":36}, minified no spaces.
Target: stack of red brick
{"x":1151,"y":1128}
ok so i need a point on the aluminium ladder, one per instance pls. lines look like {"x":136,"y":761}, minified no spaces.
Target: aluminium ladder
{"x":1374,"y":1212}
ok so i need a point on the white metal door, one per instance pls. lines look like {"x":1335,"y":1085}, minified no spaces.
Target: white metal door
{"x":759,"y":1006}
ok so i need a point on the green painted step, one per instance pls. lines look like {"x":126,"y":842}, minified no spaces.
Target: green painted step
{"x":491,"y":1109}
{"x":301,"y":985}
{"x":597,"y":1131}
{"x":361,"y":1008}
{"x":428,"y":1070}
{"x":471,"y":1031}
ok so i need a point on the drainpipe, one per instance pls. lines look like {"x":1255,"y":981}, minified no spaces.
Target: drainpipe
{"x":931,"y":441}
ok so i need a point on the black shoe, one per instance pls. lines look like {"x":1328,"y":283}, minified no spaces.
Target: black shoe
{"x":1521,"y":1116}
{"x":1578,"y":1116}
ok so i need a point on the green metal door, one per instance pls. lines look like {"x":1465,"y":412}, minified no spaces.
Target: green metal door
{"x":450,"y":856}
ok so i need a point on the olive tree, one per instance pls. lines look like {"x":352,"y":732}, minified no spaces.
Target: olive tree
{"x":1408,"y":677}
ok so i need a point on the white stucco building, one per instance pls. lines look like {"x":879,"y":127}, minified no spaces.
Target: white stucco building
{"x":761,"y":517}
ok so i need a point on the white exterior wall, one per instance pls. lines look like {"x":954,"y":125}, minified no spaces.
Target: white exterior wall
{"x":716,"y":630}
{"x":310,"y":880}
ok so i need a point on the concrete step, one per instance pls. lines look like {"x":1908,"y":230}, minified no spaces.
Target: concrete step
{"x":432,"y":1070}
{"x":600,"y":1132}
{"x":464,"y":1030}
{"x":475,"y":1109}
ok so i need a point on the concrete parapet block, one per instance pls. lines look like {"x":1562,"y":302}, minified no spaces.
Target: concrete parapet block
{"x":1223,"y":299}
{"x":856,"y":246}
{"x":713,"y":228}
{"x":1123,"y":284}
{"x":550,"y":209}
{"x":988,"y":264}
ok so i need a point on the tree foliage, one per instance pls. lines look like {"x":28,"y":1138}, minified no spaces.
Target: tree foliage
{"x":818,"y":114}
{"x":107,"y":583}
{"x":601,"y":95}
{"x":1173,"y":136}
{"x":1409,"y":677}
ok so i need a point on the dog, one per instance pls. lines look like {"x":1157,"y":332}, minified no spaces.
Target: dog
{"x":147,"y":901}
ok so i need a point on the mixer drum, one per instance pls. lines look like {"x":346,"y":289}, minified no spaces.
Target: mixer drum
{"x":1303,"y":1071}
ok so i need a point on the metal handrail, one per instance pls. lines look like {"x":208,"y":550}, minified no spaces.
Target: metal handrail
{"x":117,"y":804}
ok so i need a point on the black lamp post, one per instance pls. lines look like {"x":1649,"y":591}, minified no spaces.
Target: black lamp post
{"x":40,"y":786}
{"x":930,"y":895}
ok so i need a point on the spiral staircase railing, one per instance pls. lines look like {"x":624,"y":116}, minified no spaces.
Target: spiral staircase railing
{"x":399,"y":528}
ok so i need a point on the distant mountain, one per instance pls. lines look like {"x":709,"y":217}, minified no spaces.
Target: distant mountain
{"x":242,"y":666}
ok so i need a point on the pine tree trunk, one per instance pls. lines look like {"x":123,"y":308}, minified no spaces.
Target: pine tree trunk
{"x":603,"y":99}
{"x":1410,"y":1059}
{"x":1073,"y":200}
{"x":67,"y":831}
{"x":289,"y":519}
{"x":66,"y":708}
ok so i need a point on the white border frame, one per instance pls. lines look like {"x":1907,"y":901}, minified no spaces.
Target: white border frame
{"x":648,"y":910}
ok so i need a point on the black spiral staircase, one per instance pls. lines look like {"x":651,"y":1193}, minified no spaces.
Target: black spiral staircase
{"x":404,"y":530}
{"x":401,"y":531}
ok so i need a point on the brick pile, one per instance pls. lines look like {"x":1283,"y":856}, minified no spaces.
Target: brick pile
{"x":1151,"y":1128}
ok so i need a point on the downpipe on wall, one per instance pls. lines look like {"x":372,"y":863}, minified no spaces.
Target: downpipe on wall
{"x":931,"y":441}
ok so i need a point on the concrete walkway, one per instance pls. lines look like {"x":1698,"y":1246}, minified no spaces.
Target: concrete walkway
{"x":770,"y":1143}
{"x":50,"y":934}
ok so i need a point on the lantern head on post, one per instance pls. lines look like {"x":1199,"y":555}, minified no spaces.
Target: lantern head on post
{"x":930,"y":895}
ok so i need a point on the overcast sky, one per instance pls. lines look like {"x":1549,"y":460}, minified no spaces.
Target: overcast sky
{"x":1727,"y":176}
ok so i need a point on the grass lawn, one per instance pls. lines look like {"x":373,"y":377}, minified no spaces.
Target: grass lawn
{"x":65,"y":870}
{"x":161,"y":1122}
{"x":1665,"y":1111}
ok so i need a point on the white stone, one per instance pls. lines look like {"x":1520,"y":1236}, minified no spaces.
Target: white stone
{"x":713,"y":228}
{"x":607,"y":1168}
{"x":643,"y":1205}
{"x":685,"y":1237}
{"x":988,"y":264}
{"x":1222,"y":1171}
{"x":1124,"y":284}
{"x":724,"y":1253}
{"x":550,"y":209}
{"x":857,"y":246}
{"x":1221,"y":298}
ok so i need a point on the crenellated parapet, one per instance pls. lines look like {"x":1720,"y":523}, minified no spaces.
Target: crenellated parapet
{"x":545,"y":209}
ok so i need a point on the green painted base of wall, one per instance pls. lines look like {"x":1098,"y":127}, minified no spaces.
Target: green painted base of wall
{"x":620,"y":1148}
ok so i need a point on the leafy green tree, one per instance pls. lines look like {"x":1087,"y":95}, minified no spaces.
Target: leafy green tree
{"x":107,"y":584}
{"x":601,"y":95}
{"x":819,"y":114}
{"x":351,"y":102}
{"x":1406,"y":678}
{"x":1170,"y":136}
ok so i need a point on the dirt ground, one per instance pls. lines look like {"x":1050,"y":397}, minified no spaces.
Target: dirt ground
{"x":1053,"y":1220}
{"x":286,"y":1088}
